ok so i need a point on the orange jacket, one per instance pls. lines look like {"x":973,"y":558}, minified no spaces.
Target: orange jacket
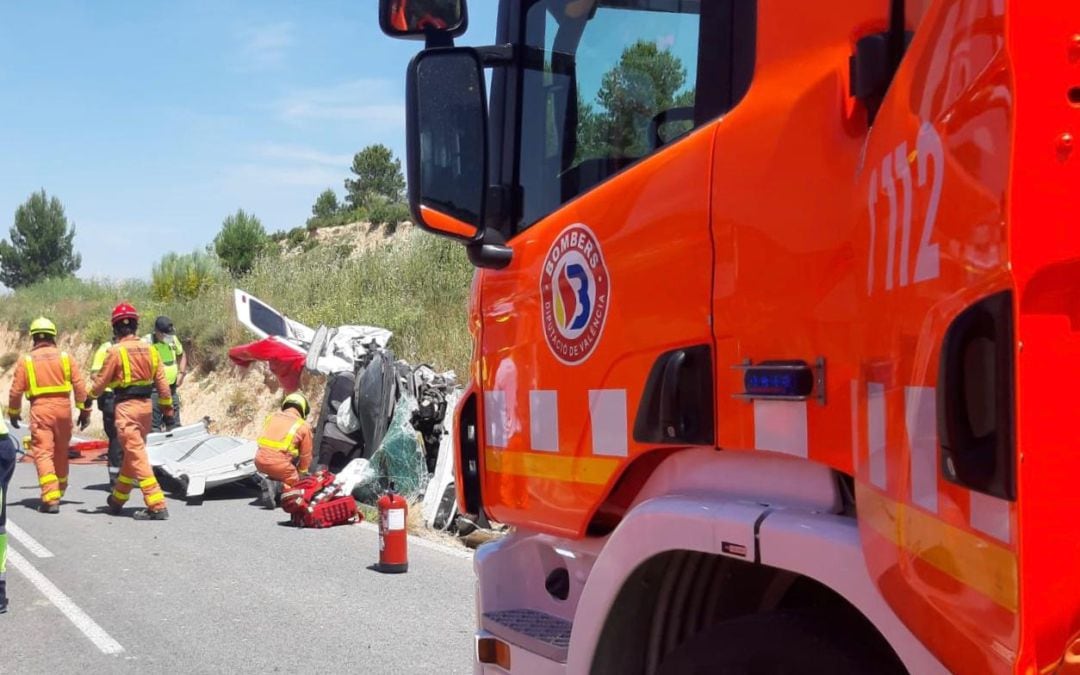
{"x":132,"y":363}
{"x":46,"y":372}
{"x":286,"y":431}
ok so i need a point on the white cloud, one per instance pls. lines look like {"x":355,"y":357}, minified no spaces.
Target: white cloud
{"x":376,"y":103}
{"x":302,"y":155}
{"x":263,"y":47}
{"x":267,"y":176}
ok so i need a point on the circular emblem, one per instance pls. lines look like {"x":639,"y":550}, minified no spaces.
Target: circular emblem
{"x":575,"y":293}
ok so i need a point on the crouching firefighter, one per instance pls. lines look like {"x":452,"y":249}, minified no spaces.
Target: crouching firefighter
{"x":285,"y":444}
{"x":47,"y":377}
{"x":7,"y":468}
{"x":132,"y":369}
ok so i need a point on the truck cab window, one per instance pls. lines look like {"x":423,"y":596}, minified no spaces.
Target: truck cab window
{"x":605,"y":83}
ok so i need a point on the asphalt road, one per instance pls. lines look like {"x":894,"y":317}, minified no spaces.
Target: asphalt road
{"x":223,"y":586}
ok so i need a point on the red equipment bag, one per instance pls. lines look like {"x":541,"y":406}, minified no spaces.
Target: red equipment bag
{"x":316,"y":502}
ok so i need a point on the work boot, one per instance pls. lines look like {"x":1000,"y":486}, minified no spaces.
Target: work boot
{"x":114,"y":505}
{"x":49,"y":508}
{"x":147,"y":514}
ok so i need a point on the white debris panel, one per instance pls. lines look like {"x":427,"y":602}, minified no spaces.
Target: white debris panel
{"x":199,"y":460}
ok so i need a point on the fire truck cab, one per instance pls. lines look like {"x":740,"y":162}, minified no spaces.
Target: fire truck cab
{"x":776,"y":316}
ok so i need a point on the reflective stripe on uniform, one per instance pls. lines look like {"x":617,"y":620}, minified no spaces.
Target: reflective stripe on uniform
{"x":52,"y":495}
{"x":147,"y":482}
{"x":33,"y":390}
{"x":125,"y":362}
{"x":155,"y":498}
{"x":120,"y":496}
{"x":165,"y":402}
{"x":125,"y":480}
{"x":285,"y":445}
{"x":47,"y":478}
{"x":14,"y":412}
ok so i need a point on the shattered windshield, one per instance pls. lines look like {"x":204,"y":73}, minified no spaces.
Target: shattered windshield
{"x":605,"y":85}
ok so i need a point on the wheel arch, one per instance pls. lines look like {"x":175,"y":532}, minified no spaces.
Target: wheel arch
{"x":758,"y":521}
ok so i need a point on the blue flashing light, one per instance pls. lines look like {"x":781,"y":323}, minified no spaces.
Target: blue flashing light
{"x":779,"y":380}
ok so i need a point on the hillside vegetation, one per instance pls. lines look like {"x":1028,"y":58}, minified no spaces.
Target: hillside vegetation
{"x":413,"y":284}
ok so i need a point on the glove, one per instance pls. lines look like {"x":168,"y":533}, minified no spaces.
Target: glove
{"x":84,"y":419}
{"x":14,"y":422}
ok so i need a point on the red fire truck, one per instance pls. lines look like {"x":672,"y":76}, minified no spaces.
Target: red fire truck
{"x":776,"y":314}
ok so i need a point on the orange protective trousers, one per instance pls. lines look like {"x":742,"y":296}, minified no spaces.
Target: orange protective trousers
{"x":50,"y":438}
{"x":277,"y":465}
{"x":132,"y":426}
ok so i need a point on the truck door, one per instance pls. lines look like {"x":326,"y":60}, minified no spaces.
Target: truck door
{"x":609,"y":286}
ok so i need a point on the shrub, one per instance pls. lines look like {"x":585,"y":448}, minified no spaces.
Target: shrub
{"x":240,"y":242}
{"x":183,"y":277}
{"x":296,"y":237}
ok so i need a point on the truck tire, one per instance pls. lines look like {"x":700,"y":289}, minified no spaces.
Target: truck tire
{"x":781,"y":642}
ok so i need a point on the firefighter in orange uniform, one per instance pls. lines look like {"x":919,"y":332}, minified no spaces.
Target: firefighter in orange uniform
{"x":285,"y":443}
{"x":133,"y":370}
{"x":48,"y":377}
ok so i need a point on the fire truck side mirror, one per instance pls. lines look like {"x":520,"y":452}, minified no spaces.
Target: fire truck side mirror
{"x":433,"y":20}
{"x":446,"y":142}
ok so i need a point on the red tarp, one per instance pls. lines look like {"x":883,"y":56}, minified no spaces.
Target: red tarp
{"x":286,"y":361}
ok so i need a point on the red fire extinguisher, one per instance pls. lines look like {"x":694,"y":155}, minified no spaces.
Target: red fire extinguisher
{"x":393,"y":539}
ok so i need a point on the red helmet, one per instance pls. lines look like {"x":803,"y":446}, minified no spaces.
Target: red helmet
{"x":124,"y":311}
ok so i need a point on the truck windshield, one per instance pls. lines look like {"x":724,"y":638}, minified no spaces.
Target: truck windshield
{"x":605,"y":83}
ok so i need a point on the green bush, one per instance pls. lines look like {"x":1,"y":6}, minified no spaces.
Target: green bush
{"x":240,"y":242}
{"x":388,"y":214}
{"x":296,"y":237}
{"x":183,"y":277}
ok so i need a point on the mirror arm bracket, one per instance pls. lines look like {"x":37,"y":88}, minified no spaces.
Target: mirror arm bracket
{"x":496,"y":55}
{"x":490,"y":250}
{"x":434,"y":39}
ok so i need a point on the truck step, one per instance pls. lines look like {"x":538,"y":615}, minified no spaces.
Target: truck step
{"x":535,"y":631}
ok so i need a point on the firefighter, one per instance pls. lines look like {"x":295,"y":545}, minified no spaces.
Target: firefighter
{"x":48,"y":377}
{"x":7,"y":467}
{"x":285,"y":443}
{"x":133,"y":370}
{"x":107,"y":405}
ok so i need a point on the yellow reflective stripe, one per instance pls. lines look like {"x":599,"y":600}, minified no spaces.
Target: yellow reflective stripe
{"x":978,"y":563}
{"x":125,"y":361}
{"x":587,"y":470}
{"x":147,"y":482}
{"x":125,"y":480}
{"x":120,"y":496}
{"x":47,"y":478}
{"x":287,"y":444}
{"x":33,"y":390}
{"x":14,"y":412}
{"x":155,"y":498}
{"x":52,"y":495}
{"x":63,"y":481}
{"x":81,"y":405}
{"x":166,"y":402}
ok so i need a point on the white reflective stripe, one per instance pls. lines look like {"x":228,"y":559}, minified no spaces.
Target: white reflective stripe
{"x":607,"y":417}
{"x":991,"y":515}
{"x":875,"y":427}
{"x":920,"y":416}
{"x":495,"y":418}
{"x":544,"y":420}
{"x":855,"y":427}
{"x":780,"y":426}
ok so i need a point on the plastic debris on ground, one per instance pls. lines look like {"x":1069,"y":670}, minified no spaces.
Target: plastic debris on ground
{"x":198,"y":460}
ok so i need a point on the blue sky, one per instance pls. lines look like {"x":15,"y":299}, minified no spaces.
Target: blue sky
{"x":152,"y":121}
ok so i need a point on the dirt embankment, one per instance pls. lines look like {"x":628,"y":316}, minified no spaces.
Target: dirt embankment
{"x":235,"y":399}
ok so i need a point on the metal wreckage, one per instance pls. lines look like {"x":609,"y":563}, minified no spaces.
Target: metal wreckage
{"x":382,"y":420}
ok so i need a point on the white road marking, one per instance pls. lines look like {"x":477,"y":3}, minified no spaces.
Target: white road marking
{"x":27,"y":541}
{"x":425,"y":543}
{"x":95,"y":633}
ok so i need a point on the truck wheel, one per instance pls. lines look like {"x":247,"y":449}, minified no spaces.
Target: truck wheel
{"x":781,"y":642}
